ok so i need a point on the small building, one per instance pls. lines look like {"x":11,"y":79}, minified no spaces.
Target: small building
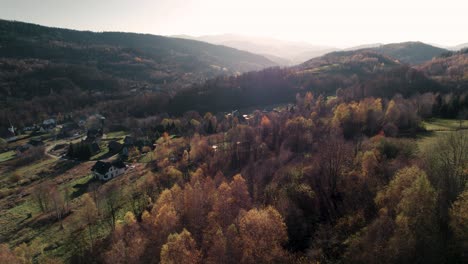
{"x":11,"y":139}
{"x":69,"y":129}
{"x":105,"y":171}
{"x":30,"y":128}
{"x":36,"y":142}
{"x":124,"y":152}
{"x":129,"y":141}
{"x":94,"y":133}
{"x":93,"y":136}
{"x":143,"y":142}
{"x":82,"y":123}
{"x":49,"y":124}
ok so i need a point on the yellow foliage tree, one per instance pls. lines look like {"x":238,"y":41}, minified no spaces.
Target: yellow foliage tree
{"x":262,"y":233}
{"x":459,"y":219}
{"x":180,"y":248}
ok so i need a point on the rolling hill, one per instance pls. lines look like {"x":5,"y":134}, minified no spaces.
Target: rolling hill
{"x":31,"y":56}
{"x":45,"y":71}
{"x":355,"y":74}
{"x":412,"y":53}
{"x":292,"y":53}
{"x":451,"y":69}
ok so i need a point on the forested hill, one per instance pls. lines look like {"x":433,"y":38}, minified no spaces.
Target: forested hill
{"x":451,"y":66}
{"x":356,"y":58}
{"x":410,"y":52}
{"x":352,"y":74}
{"x":33,"y":56}
{"x":45,"y":71}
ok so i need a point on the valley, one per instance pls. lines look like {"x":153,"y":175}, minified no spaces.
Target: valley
{"x":136,"y":148}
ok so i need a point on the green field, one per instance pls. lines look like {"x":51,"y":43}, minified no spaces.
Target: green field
{"x":427,"y":140}
{"x":440,"y":124}
{"x":5,"y":156}
{"x":116,"y":134}
{"x":21,"y":219}
{"x":104,"y":153}
{"x":437,"y":128}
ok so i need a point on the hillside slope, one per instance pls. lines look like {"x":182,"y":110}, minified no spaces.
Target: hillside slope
{"x":410,"y":52}
{"x":45,"y":71}
{"x":451,"y":69}
{"x":109,"y":60}
{"x":354,"y":74}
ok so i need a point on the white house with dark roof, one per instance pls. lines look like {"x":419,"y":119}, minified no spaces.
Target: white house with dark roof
{"x":105,"y":171}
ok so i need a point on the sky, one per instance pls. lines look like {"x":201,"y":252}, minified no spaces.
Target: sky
{"x":337,"y":23}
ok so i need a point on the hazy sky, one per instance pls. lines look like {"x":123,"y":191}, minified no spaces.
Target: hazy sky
{"x":339,"y":23}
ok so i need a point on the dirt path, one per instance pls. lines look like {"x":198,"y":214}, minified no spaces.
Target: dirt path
{"x":47,"y":151}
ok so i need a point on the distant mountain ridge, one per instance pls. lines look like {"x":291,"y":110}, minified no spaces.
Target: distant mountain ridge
{"x":364,"y":46}
{"x":352,"y":74}
{"x":410,"y":52}
{"x":282,"y":52}
{"x":293,"y":53}
{"x":460,"y":46}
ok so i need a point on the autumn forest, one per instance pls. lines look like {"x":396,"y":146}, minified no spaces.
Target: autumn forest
{"x":132,"y":148}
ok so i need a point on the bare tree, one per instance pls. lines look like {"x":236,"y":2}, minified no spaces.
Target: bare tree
{"x":88,"y":215}
{"x":58,"y":203}
{"x":110,"y":201}
{"x":40,"y":195}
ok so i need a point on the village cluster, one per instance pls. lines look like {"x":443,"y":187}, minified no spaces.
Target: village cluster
{"x":83,"y":139}
{"x":67,"y":138}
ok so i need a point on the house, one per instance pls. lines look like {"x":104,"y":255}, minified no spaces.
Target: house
{"x":93,"y":136}
{"x":48,"y":124}
{"x":124,"y":152}
{"x":30,"y":128}
{"x":36,"y":142}
{"x":11,"y":139}
{"x":69,"y":129}
{"x":94,"y":133}
{"x":143,"y":142}
{"x":105,"y":171}
{"x":101,"y":118}
{"x":129,"y":141}
{"x":234,"y":113}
